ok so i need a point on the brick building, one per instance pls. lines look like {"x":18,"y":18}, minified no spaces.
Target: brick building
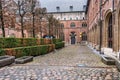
{"x":72,"y":17}
{"x":104,"y":15}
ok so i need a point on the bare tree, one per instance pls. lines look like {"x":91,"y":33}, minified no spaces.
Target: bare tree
{"x":1,"y":18}
{"x":33,"y":6}
{"x":23,"y":8}
{"x":41,"y":13}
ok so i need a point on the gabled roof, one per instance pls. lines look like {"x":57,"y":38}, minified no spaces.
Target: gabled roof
{"x":64,"y":5}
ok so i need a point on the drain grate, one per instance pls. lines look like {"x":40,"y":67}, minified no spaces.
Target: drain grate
{"x":81,"y":65}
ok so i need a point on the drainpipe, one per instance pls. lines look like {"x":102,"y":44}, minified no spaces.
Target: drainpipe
{"x":113,"y":4}
{"x":100,"y":26}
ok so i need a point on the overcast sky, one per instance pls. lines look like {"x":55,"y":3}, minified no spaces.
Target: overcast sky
{"x":63,"y":4}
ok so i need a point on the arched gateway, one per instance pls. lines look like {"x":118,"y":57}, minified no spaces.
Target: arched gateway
{"x":73,"y":39}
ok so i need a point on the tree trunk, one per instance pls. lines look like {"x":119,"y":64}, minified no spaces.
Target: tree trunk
{"x":2,"y":21}
{"x":49,"y":30}
{"x":33,"y":26}
{"x":22,"y":26}
{"x":40,"y":29}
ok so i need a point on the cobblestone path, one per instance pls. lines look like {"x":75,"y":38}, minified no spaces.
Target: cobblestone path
{"x":73,"y":62}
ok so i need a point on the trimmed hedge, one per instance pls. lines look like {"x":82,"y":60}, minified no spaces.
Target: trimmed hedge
{"x":56,"y":40}
{"x":21,"y":42}
{"x":29,"y":51}
{"x":19,"y":47}
{"x":2,"y":52}
{"x":59,"y":45}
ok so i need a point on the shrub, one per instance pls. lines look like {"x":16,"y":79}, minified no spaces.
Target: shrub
{"x":1,"y":42}
{"x":41,"y":41}
{"x":2,"y":52}
{"x":56,"y":40}
{"x":51,"y":47}
{"x":29,"y":41}
{"x":28,"y":51}
{"x":59,"y":45}
{"x":22,"y":42}
{"x":8,"y":42}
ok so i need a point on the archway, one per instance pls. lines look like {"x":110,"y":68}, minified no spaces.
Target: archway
{"x":84,"y":36}
{"x":73,"y":39}
{"x":109,"y":30}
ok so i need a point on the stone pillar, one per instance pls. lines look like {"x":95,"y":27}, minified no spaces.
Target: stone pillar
{"x":115,"y":32}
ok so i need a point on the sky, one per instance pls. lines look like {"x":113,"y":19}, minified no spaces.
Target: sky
{"x":63,"y":4}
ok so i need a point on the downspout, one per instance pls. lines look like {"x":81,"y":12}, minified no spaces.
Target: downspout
{"x":100,"y":26}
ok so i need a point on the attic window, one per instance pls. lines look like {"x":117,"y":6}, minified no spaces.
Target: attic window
{"x":71,"y":8}
{"x":58,"y":9}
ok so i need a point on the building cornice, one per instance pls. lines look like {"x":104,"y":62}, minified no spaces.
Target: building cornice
{"x":65,"y":12}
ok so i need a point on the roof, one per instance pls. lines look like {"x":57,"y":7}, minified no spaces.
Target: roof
{"x":64,"y":5}
{"x":88,"y":3}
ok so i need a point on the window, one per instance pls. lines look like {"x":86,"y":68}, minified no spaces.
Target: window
{"x":110,"y":33}
{"x":72,"y":24}
{"x":76,"y":18}
{"x":83,"y":18}
{"x":84,"y":24}
{"x":84,"y":36}
{"x":64,"y":18}
{"x":62,"y":25}
{"x":70,"y":18}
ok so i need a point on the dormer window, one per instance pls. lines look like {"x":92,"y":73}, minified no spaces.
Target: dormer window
{"x":71,"y":8}
{"x":58,"y":9}
{"x":84,"y":7}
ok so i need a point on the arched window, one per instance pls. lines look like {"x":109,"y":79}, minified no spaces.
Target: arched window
{"x":84,"y":36}
{"x":62,"y":25}
{"x":72,"y":24}
{"x":84,"y":24}
{"x":110,"y":33}
{"x":76,"y":18}
{"x":70,"y":18}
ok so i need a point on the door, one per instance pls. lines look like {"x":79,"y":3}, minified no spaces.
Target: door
{"x":73,"y":39}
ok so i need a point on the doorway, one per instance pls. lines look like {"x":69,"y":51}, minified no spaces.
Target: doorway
{"x":73,"y":39}
{"x":110,"y":33}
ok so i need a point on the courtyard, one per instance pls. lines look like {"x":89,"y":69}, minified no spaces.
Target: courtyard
{"x":74,"y":62}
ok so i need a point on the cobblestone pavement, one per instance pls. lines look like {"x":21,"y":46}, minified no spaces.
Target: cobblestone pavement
{"x":70,"y":63}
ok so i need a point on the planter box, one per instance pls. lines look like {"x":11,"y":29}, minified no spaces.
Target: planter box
{"x":6,"y":60}
{"x":108,"y":60}
{"x":117,"y":63}
{"x":24,"y":59}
